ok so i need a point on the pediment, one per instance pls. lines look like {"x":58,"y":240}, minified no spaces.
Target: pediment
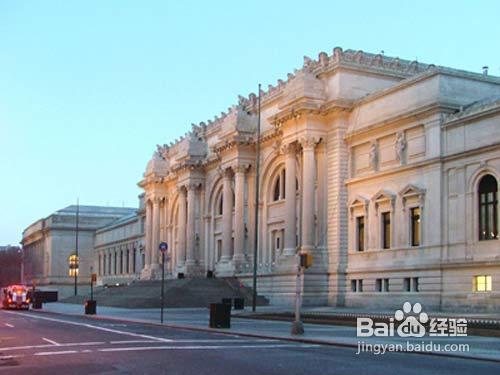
{"x":411,"y":190}
{"x":383,"y":195}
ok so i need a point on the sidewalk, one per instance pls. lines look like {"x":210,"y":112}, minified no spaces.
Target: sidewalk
{"x":486,"y":348}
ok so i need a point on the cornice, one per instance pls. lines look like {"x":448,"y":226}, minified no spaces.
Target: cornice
{"x":423,"y":111}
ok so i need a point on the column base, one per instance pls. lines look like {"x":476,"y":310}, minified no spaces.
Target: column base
{"x":191,"y":268}
{"x":240,"y":262}
{"x":225,"y":269}
{"x":153,"y":272}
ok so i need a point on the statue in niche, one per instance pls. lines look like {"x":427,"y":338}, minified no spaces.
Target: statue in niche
{"x":373,"y":155}
{"x":400,"y":147}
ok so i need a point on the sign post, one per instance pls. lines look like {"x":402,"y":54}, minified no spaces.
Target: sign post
{"x":93,"y":279}
{"x":163,"y":247}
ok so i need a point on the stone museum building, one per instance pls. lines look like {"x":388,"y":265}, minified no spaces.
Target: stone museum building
{"x":49,"y":243}
{"x":385,"y":170}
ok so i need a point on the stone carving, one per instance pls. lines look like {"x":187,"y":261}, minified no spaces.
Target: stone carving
{"x":373,"y":157}
{"x":400,"y":147}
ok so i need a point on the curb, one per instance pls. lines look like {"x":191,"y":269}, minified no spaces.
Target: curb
{"x":263,"y":336}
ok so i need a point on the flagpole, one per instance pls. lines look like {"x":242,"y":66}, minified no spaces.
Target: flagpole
{"x":256,"y":218}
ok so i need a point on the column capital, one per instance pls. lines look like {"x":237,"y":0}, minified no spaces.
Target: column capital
{"x":241,"y":168}
{"x":181,"y":189}
{"x":289,"y":148}
{"x":308,"y":143}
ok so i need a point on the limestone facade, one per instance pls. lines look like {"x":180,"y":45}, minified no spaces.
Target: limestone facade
{"x":119,"y":249}
{"x":370,"y":163}
{"x":49,"y":242}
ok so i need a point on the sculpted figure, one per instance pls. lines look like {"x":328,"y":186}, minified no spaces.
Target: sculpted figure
{"x":373,"y":155}
{"x":400,"y":147}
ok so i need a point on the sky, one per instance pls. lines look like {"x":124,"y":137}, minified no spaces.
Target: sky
{"x":88,"y":88}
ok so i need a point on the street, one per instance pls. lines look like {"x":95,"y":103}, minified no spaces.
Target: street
{"x":45,"y":343}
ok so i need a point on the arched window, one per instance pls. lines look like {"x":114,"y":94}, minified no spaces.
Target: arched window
{"x":488,"y":220}
{"x":279,"y":186}
{"x":220,"y":203}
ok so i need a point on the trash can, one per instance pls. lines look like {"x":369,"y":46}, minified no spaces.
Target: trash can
{"x":36,"y":304}
{"x":90,"y":307}
{"x":210,"y":274}
{"x":180,"y":275}
{"x":227,"y":301}
{"x":239,"y":303}
{"x":220,"y":315}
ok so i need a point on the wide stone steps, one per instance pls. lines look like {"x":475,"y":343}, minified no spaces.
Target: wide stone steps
{"x":193,"y":292}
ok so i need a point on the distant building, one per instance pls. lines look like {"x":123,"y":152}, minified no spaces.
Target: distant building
{"x":48,"y":243}
{"x":9,"y":247}
{"x":119,"y":249}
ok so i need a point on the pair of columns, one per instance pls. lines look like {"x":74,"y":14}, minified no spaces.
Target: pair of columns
{"x":308,"y":186}
{"x":227,"y":214}
{"x":186,"y":225}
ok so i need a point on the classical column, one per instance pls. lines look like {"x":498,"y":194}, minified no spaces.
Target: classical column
{"x":181,"y":254}
{"x":308,"y":170}
{"x":239,"y":222}
{"x":227,"y":216}
{"x":148,"y":226}
{"x":190,"y":233}
{"x":155,"y":233}
{"x":130,"y":259}
{"x":290,"y":200}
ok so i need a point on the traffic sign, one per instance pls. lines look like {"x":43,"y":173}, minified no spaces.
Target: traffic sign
{"x":163,"y":247}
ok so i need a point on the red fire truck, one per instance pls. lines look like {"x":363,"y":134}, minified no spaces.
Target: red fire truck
{"x":16,"y":297}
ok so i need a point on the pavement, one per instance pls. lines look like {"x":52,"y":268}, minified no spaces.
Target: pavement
{"x":196,"y":319}
{"x":44,"y":342}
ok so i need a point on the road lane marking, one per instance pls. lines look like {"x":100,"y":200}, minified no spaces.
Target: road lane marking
{"x":96,"y":327}
{"x":57,"y":353}
{"x":9,"y":325}
{"x":27,"y":347}
{"x":51,"y":341}
{"x":207,"y":347}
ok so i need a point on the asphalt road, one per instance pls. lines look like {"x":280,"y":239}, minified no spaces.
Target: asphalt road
{"x":42,"y":343}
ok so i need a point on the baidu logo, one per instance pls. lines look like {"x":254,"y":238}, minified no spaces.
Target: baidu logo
{"x":411,"y":321}
{"x":412,"y":325}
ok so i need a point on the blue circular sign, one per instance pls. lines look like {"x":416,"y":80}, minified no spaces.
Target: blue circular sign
{"x":163,"y":246}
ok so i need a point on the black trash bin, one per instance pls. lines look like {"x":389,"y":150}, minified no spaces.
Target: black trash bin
{"x":220,"y":315}
{"x":90,"y":307}
{"x":180,"y":275}
{"x":36,"y":304}
{"x":239,"y":303}
{"x":210,"y":274}
{"x":227,"y":301}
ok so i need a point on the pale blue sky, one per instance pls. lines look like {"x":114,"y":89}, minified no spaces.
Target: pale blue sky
{"x":88,"y":88}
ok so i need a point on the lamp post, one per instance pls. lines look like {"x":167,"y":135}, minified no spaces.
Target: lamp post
{"x":256,"y":218}
{"x":163,"y":247}
{"x":76,"y":245}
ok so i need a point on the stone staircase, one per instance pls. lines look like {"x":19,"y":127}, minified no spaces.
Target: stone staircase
{"x":193,"y":292}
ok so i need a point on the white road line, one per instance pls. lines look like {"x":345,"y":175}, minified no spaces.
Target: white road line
{"x":27,"y":347}
{"x":207,"y":347}
{"x":131,"y":342}
{"x":51,"y":341}
{"x":57,"y":353}
{"x":95,"y":327}
{"x":9,"y":325}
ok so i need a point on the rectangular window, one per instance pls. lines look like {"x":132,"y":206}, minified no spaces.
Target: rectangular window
{"x":353,"y":285}
{"x":415,"y":284}
{"x":360,"y":229}
{"x":386,"y":285}
{"x":360,"y":285}
{"x":482,"y":283}
{"x":415,"y":226}
{"x":386,"y":230}
{"x":406,"y":284}
{"x":378,"y":285}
